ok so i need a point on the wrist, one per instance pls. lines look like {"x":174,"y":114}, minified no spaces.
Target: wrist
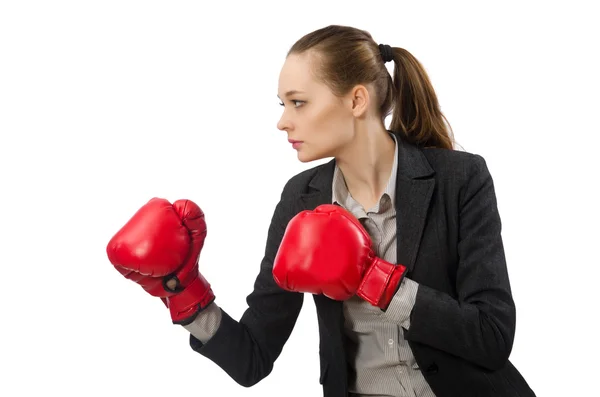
{"x":381,"y":282}
{"x":185,"y":305}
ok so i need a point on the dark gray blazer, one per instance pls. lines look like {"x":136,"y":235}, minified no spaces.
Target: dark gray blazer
{"x":449,"y":236}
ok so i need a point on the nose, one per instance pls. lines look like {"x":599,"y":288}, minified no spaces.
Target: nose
{"x":284,"y":123}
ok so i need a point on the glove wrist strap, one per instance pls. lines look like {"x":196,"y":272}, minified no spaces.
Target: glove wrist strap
{"x":186,"y":305}
{"x":380,"y":282}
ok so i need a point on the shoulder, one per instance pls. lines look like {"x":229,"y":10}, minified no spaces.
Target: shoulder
{"x":461,"y":175}
{"x":455,"y":164}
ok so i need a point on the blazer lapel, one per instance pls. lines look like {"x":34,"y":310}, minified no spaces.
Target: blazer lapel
{"x":319,"y":188}
{"x":414,"y":188}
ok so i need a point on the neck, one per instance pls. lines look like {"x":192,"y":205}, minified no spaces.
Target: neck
{"x":367,"y":161}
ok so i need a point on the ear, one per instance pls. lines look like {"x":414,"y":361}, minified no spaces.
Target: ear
{"x":360,"y":98}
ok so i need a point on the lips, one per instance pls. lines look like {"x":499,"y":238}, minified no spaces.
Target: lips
{"x":295,"y":144}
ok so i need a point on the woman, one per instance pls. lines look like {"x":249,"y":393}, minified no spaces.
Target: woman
{"x":436,"y":316}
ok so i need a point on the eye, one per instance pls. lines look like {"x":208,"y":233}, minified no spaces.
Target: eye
{"x":296,"y":103}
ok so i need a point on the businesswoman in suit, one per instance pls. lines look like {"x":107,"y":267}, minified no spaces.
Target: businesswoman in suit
{"x":442,"y":319}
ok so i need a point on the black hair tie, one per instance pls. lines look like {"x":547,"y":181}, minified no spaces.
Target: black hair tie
{"x":387,"y":53}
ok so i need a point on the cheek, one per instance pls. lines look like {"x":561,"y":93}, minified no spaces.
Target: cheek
{"x":329,"y":122}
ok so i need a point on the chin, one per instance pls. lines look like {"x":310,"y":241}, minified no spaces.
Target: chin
{"x":306,"y":157}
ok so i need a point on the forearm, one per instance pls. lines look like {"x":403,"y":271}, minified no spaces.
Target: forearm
{"x":247,"y":349}
{"x":478,"y":332}
{"x":466,"y":330}
{"x":233,"y":348}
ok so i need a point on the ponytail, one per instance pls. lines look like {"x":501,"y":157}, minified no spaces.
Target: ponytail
{"x":416,"y":113}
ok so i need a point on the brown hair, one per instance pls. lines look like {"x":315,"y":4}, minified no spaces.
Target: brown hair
{"x":349,"y":56}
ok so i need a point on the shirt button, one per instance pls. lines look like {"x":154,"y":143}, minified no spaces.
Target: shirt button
{"x":390,"y":342}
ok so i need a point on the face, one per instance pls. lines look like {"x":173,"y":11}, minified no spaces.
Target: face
{"x":319,"y":122}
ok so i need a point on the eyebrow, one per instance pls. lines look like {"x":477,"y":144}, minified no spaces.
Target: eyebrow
{"x":291,"y":92}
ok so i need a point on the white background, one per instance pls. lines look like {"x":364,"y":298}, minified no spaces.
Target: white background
{"x":106,"y":104}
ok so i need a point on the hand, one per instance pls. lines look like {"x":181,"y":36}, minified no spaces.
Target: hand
{"x":327,"y":251}
{"x":159,"y":248}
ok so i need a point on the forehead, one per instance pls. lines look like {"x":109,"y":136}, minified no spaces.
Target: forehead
{"x":297,"y":73}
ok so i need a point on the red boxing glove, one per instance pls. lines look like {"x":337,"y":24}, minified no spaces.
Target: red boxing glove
{"x":159,"y":248}
{"x":327,"y":251}
{"x":322,"y":253}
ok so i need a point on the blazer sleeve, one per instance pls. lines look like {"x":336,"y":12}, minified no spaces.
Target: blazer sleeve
{"x":247,"y":349}
{"x":479,"y":324}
